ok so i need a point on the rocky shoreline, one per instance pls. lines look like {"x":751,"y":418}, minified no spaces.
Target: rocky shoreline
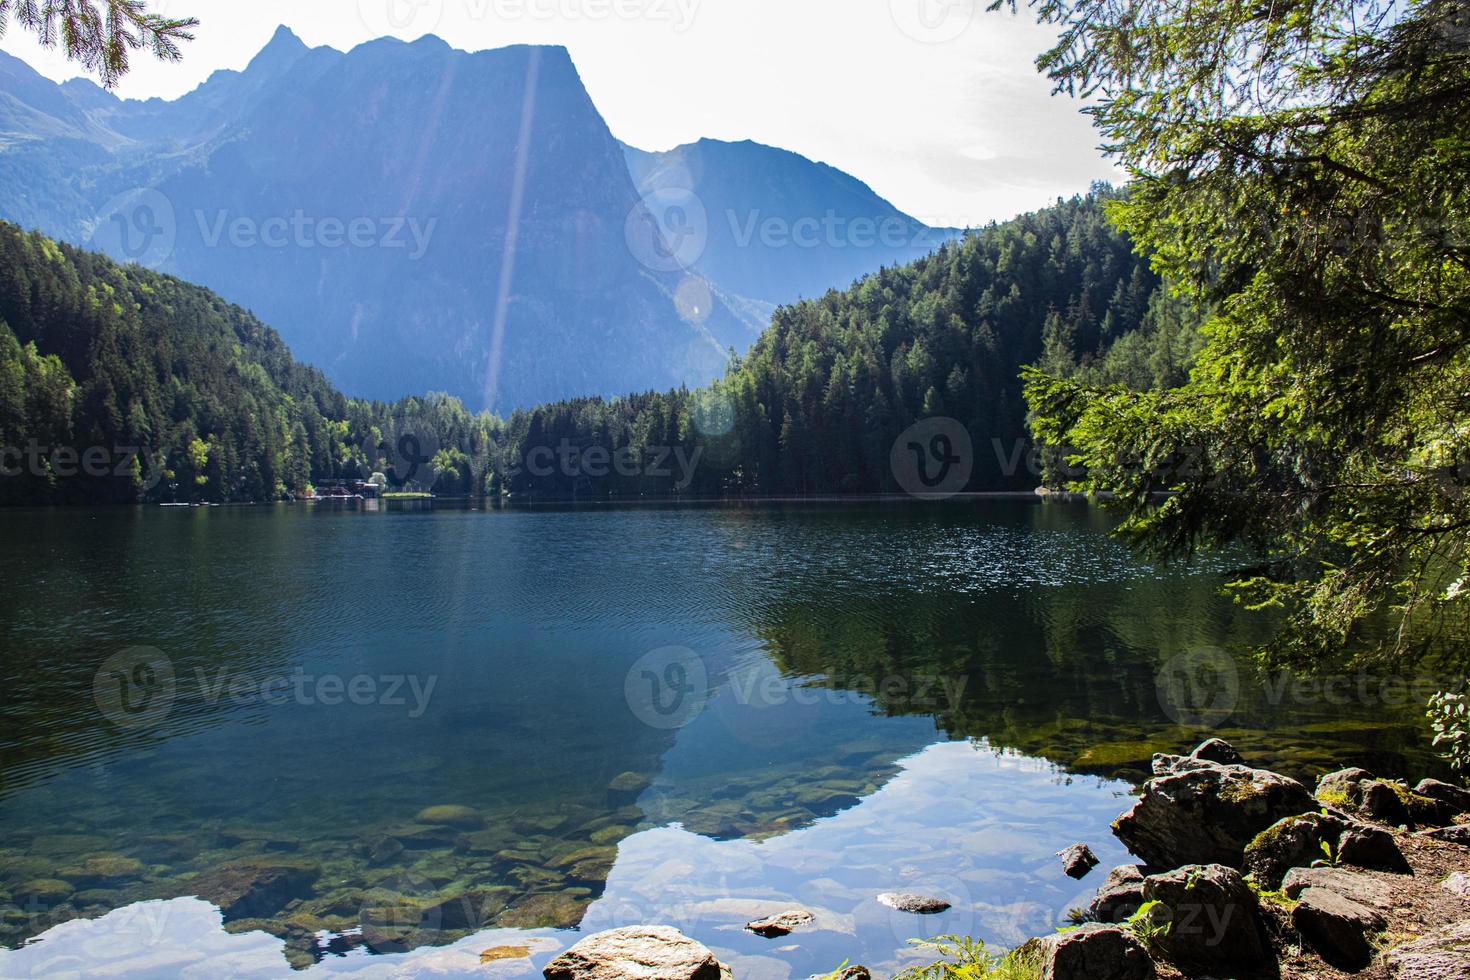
{"x":1244,"y":873}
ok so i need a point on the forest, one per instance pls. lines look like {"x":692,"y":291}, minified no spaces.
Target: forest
{"x":120,"y":384}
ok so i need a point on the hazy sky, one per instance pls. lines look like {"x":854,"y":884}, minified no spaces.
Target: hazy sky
{"x":934,"y":103}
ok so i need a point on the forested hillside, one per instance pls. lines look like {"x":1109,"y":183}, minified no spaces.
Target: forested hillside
{"x":178,"y":395}
{"x":816,"y":405}
{"x":134,"y":368}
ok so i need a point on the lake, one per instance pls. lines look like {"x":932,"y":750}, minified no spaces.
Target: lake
{"x":369,"y":732}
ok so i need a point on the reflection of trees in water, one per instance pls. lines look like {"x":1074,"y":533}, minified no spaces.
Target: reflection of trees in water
{"x":1073,"y":674}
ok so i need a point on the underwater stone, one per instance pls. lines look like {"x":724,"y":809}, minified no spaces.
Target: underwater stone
{"x":543,"y":910}
{"x":451,"y":815}
{"x":245,"y":889}
{"x":626,"y":787}
{"x":43,"y":890}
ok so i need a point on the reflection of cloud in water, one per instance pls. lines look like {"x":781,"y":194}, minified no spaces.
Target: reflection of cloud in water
{"x":961,"y":821}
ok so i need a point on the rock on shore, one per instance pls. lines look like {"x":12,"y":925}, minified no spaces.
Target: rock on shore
{"x":636,"y":953}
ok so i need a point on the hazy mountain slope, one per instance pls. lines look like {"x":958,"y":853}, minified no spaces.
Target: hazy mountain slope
{"x":409,"y":216}
{"x":779,"y":227}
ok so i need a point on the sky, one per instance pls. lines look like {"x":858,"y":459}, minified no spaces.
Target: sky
{"x":935,"y":104}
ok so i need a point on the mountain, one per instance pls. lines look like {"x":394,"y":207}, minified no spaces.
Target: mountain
{"x":777,"y":227}
{"x":409,"y":216}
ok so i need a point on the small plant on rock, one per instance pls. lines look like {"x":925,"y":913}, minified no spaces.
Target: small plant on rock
{"x":1150,"y":923}
{"x":963,"y":958}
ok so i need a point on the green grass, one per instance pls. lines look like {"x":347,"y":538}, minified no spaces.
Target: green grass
{"x":963,"y":958}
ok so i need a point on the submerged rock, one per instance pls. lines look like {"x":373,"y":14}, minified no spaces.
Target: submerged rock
{"x":909,"y":902}
{"x":382,"y":850}
{"x":1337,"y":927}
{"x":1208,"y":815}
{"x":44,"y":891}
{"x":103,"y":869}
{"x":779,"y":924}
{"x":635,"y":953}
{"x":451,"y":815}
{"x":544,"y":910}
{"x":1214,"y":918}
{"x":1094,"y":952}
{"x":248,"y":890}
{"x":1077,"y":860}
{"x":626,"y":787}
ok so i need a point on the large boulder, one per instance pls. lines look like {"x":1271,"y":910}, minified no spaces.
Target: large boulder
{"x":1457,"y":834}
{"x":1443,"y":954}
{"x":1388,"y":801}
{"x":1338,"y":928}
{"x":1379,"y":801}
{"x":1211,"y":752}
{"x":1363,"y":889}
{"x":1296,"y":842}
{"x":1094,"y":952}
{"x":635,"y":953}
{"x":1456,"y":797}
{"x":1217,"y":750}
{"x":1213,"y":917}
{"x":1119,"y":896}
{"x":1292,"y":842}
{"x":1343,"y":787}
{"x":1208,"y":815}
{"x":1364,"y":846}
